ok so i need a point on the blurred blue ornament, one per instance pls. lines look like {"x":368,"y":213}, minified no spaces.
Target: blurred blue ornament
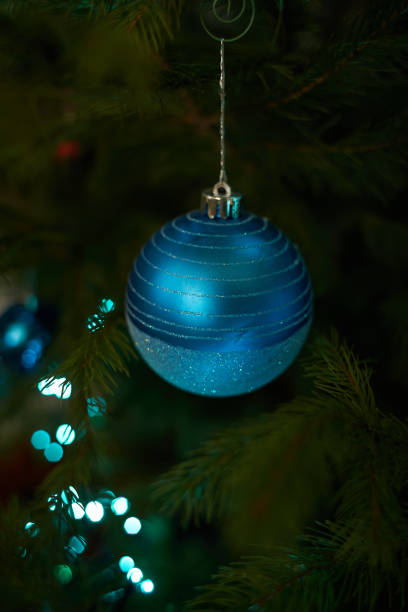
{"x":219,"y":306}
{"x":23,"y":337}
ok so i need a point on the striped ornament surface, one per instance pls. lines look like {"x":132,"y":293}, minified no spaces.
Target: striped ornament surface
{"x":219,"y":307}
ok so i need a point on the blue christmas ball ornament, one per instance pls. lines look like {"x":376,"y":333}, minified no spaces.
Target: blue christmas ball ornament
{"x":219,"y":302}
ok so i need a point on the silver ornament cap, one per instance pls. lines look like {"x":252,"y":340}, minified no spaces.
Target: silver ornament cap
{"x":220,"y":202}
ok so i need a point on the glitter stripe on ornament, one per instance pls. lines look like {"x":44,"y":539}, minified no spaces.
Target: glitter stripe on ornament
{"x":137,"y":312}
{"x":219,"y":279}
{"x":276,"y":309}
{"x":223,"y":236}
{"x":231,"y":341}
{"x":256,"y":260}
{"x":255,"y":246}
{"x":214,"y":304}
{"x":236,"y":320}
{"x":190,"y":293}
{"x":157,"y":326}
{"x":196,"y":217}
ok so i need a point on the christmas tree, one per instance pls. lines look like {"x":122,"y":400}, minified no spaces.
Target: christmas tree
{"x":120,"y":491}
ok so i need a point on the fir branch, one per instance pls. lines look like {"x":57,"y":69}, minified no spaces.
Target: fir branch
{"x":369,"y":515}
{"x":243,"y":475}
{"x":206,"y":483}
{"x":385,"y":24}
{"x":93,"y":367}
{"x":339,"y":374}
{"x":343,"y":149}
{"x":286,"y":576}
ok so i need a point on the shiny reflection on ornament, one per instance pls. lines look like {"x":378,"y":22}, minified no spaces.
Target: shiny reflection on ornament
{"x":53,"y":452}
{"x":132,"y":525}
{"x":31,"y":529}
{"x":15,"y":335}
{"x":94,"y":511}
{"x":147,"y":586}
{"x":107,"y":305}
{"x":134,"y":575}
{"x":126,"y":564}
{"x":55,"y":386}
{"x":40,"y":439}
{"x":63,"y":573}
{"x":120,"y":506}
{"x":78,"y":543}
{"x":77,"y":511}
{"x":96,"y":406}
{"x":65,"y":434}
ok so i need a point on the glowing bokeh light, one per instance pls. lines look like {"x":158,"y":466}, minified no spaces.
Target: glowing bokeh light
{"x":120,"y":506}
{"x":105,"y":497}
{"x":31,"y":529}
{"x":96,"y":406}
{"x":132,"y":525}
{"x":63,"y":573}
{"x":72,"y":492}
{"x":32,"y":353}
{"x":125,"y":564}
{"x":65,"y":434}
{"x":147,"y":586}
{"x":15,"y":335}
{"x":94,"y":511}
{"x":54,"y":452}
{"x":107,"y":305}
{"x":95,"y":322}
{"x":55,"y":386}
{"x":40,"y":439}
{"x":52,"y":502}
{"x":28,"y":359}
{"x":135,"y":575}
{"x":78,"y":543}
{"x":77,"y":511}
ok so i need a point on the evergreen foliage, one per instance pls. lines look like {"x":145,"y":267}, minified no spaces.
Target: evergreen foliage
{"x":340,"y":427}
{"x":305,"y":481}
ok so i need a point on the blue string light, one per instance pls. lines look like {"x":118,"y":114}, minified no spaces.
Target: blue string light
{"x":132,"y":525}
{"x":65,"y":434}
{"x":126,"y":564}
{"x":59,"y":387}
{"x":135,"y":575}
{"x":120,"y":506}
{"x":40,"y":439}
{"x":147,"y":586}
{"x":94,"y":511}
{"x":54,"y":452}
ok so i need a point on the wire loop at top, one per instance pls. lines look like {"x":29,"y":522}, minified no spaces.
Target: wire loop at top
{"x":229,"y":20}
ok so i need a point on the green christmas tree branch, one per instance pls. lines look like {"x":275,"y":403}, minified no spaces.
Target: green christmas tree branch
{"x":367,"y":455}
{"x":93,"y":367}
{"x":357,"y":49}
